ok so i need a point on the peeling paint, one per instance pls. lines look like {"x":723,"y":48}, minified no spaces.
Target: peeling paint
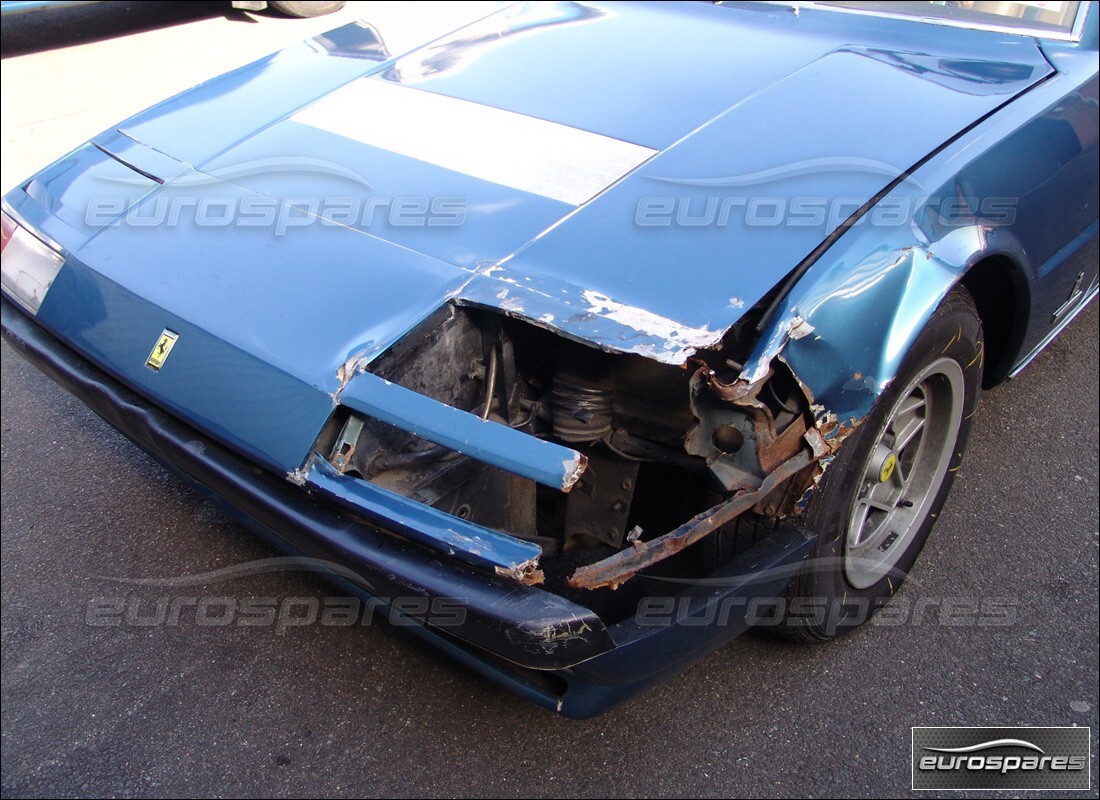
{"x":509,"y":303}
{"x":348,"y":370}
{"x":573,"y":469}
{"x":799,"y":327}
{"x":822,"y":416}
{"x":678,"y":341}
{"x":860,"y":383}
{"x":526,"y":573}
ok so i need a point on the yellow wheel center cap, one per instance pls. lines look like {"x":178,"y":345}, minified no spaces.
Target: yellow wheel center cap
{"x":888,"y":466}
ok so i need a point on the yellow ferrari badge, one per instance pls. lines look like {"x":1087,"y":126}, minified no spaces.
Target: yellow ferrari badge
{"x":888,"y":467}
{"x":165,"y":342}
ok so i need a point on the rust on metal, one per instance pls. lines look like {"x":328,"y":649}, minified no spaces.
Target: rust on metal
{"x":790,"y":463}
{"x":735,"y":391}
{"x":615,"y":570}
{"x":342,"y":459}
{"x":775,"y":450}
{"x":526,"y":573}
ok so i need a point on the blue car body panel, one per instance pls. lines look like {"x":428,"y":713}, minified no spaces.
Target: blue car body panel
{"x":276,"y":384}
{"x":552,"y":250}
{"x":279,"y":318}
{"x":892,"y":279}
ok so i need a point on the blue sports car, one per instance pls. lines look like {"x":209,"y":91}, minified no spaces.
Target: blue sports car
{"x":590,"y":335}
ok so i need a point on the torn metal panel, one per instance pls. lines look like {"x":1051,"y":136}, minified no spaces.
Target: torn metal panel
{"x":676,"y":337}
{"x":741,"y":437}
{"x":544,"y":462}
{"x":768,"y":468}
{"x":587,"y":315}
{"x":848,"y":323}
{"x":498,"y":552}
{"x":348,"y":370}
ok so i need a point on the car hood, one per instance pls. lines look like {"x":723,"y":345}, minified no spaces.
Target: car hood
{"x":709,"y":127}
{"x":633,"y":176}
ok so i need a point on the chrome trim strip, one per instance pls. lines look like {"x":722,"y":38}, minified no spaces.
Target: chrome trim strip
{"x":1093,"y":291}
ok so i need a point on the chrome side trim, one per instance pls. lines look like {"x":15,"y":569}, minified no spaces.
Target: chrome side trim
{"x":1089,"y":297}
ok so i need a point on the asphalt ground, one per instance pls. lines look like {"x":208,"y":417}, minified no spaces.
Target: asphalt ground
{"x":997,"y":627}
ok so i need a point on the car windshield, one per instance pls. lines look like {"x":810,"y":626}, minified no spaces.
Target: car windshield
{"x":1056,"y":17}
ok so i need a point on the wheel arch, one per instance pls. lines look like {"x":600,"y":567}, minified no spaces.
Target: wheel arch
{"x":846,"y":326}
{"x":1002,"y":297}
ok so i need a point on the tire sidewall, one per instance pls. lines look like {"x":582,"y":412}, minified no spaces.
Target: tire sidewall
{"x":823,"y":602}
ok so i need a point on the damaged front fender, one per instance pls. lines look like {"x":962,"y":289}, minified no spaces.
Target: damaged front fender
{"x":846,"y":327}
{"x":840,"y":336}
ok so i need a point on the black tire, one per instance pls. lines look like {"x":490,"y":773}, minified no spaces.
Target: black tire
{"x":304,"y":8}
{"x":836,"y":592}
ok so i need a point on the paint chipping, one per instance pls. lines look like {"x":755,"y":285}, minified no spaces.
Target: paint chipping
{"x":507,"y":302}
{"x":823,"y":418}
{"x":674,"y":342}
{"x":348,"y":370}
{"x":553,"y":633}
{"x":573,"y":468}
{"x":526,"y":573}
{"x":798,"y":327}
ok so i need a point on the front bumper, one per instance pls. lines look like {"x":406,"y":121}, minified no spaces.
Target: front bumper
{"x":546,"y":648}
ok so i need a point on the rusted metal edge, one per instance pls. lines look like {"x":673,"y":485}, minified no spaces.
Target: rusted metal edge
{"x":615,"y":570}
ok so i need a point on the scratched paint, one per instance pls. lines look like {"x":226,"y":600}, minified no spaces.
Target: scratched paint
{"x":678,"y":341}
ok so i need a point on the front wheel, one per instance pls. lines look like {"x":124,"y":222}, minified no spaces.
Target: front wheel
{"x":878,"y":500}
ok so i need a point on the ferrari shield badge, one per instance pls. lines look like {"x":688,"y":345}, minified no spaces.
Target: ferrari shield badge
{"x":165,"y":342}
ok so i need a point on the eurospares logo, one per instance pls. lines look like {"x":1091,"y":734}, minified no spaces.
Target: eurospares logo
{"x":1001,"y":758}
